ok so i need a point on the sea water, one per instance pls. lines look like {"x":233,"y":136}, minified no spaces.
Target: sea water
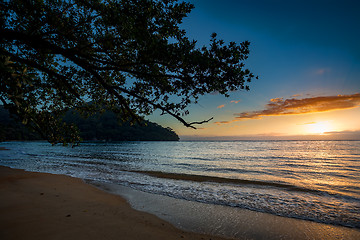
{"x":311,"y":180}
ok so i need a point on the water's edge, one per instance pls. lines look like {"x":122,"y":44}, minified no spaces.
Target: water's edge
{"x":225,"y":221}
{"x":316,"y":181}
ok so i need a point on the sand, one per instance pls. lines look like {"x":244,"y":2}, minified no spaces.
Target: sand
{"x":46,"y":206}
{"x":230,"y":222}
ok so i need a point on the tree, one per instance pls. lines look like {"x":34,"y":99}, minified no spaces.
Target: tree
{"x":129,"y":55}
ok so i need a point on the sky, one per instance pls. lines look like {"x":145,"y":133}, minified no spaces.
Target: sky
{"x":307,"y":57}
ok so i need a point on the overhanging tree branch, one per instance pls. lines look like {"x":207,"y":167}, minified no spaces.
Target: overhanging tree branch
{"x":132,"y":51}
{"x":57,"y":76}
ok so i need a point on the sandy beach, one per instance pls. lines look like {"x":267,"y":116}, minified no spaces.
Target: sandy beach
{"x":47,"y":206}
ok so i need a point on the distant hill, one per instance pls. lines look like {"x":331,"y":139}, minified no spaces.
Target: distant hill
{"x":99,"y":127}
{"x":12,"y":129}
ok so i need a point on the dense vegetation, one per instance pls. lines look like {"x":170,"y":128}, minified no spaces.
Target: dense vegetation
{"x":131,"y":56}
{"x":12,"y":129}
{"x":99,"y":127}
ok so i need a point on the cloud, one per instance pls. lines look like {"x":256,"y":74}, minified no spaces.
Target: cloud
{"x":276,"y":100}
{"x":233,"y":101}
{"x":341,"y":135}
{"x":221,"y":106}
{"x":226,"y":122}
{"x":322,"y":71}
{"x":279,"y":106}
{"x":308,"y":123}
{"x":344,"y":135}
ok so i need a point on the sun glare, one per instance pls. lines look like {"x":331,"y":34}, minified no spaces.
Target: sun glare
{"x":319,"y":128}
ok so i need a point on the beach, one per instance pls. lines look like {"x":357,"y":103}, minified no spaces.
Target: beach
{"x":48,"y":206}
{"x":224,"y":190}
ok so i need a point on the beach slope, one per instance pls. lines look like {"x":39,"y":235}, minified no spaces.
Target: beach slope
{"x":46,"y":206}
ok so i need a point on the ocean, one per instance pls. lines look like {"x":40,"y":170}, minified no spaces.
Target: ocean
{"x":312,"y":180}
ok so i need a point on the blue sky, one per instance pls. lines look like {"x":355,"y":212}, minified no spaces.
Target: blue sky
{"x":299,"y":49}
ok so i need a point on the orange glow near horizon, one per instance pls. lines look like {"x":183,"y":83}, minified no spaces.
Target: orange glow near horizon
{"x":319,"y":127}
{"x":337,"y":124}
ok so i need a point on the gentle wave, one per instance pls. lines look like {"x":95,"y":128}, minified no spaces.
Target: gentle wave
{"x":201,"y":178}
{"x":315,"y":180}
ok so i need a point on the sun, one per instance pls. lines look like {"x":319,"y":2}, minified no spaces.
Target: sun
{"x":320,"y":128}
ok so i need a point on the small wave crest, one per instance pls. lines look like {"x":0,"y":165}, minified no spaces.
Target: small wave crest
{"x":202,"y":178}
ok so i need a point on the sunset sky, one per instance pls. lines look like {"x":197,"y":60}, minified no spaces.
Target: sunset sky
{"x":307,"y":57}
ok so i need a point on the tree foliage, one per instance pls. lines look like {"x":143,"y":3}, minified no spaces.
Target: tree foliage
{"x":129,"y":55}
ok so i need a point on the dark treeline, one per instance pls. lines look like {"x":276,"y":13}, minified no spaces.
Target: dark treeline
{"x":12,"y":129}
{"x":98,"y":127}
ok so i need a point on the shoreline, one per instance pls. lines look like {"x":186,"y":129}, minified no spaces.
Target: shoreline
{"x":226,"y":221}
{"x":50,"y":206}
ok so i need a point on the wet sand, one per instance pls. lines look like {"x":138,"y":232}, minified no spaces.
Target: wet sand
{"x":230,"y":222}
{"x":46,"y":206}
